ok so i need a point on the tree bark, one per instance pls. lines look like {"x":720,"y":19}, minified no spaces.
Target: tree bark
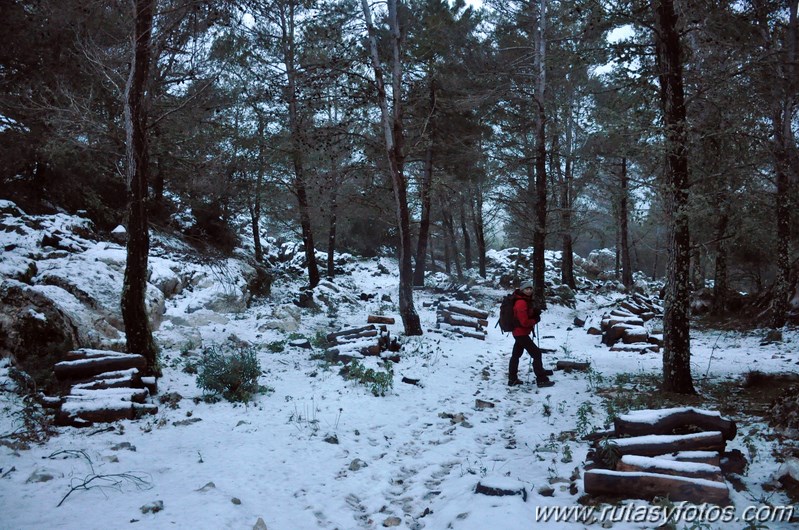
{"x":424,"y":195}
{"x":720,"y":279}
{"x":476,"y":205}
{"x":626,"y":267}
{"x":567,"y":261}
{"x":676,"y":327}
{"x":539,"y":232}
{"x":784,"y":149}
{"x":287,"y":27}
{"x":394,"y":140}
{"x":138,"y":331}
{"x":467,"y":240}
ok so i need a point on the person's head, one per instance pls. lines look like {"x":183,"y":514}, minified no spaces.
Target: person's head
{"x":526,"y":287}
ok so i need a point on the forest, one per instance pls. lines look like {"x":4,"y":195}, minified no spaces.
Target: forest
{"x":329,"y":198}
{"x":665,"y":130}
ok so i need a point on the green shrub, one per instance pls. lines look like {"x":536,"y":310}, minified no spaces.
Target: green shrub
{"x":235,"y":376}
{"x":378,"y":382}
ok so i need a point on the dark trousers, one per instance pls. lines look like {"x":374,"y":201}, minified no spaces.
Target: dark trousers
{"x":525,"y":342}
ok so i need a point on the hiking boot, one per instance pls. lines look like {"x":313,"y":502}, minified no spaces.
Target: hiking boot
{"x":515,"y":382}
{"x":543,"y":383}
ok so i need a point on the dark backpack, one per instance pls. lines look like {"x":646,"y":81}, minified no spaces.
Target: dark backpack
{"x":507,"y":320}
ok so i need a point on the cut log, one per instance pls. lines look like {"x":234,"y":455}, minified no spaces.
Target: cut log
{"x":123,"y":378}
{"x":89,"y":367}
{"x":461,"y":309}
{"x":669,"y":467}
{"x":648,"y":485}
{"x":710,"y":458}
{"x":638,"y":347}
{"x":83,"y":413}
{"x":473,"y":334}
{"x":568,"y":366}
{"x":377,"y":319}
{"x":667,"y":421}
{"x":345,"y":339}
{"x":331,"y":337}
{"x":639,"y":334}
{"x":658,"y":444}
{"x":455,"y":319}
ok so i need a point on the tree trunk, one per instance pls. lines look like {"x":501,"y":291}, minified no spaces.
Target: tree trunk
{"x":540,"y":233}
{"x":332,"y":223}
{"x":394,"y":140}
{"x":255,"y":207}
{"x":626,"y":267}
{"x":784,"y":149}
{"x":424,"y":222}
{"x":467,"y":240}
{"x":676,"y":327}
{"x":476,"y":205}
{"x":448,"y":226}
{"x":138,"y":331}
{"x":287,"y":22}
{"x":720,"y":280}
{"x":567,"y":262}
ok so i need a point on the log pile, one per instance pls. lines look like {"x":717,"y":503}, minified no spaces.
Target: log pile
{"x":669,"y":452}
{"x":357,"y":343}
{"x":625,"y":324}
{"x":105,"y":386}
{"x":462,"y":319}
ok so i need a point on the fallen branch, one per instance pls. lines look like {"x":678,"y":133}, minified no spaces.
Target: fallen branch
{"x":108,"y":481}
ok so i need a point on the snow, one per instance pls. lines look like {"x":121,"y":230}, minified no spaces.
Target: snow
{"x":684,"y":467}
{"x":654,"y":416}
{"x":663,"y":438}
{"x":698,"y":481}
{"x":320,"y":452}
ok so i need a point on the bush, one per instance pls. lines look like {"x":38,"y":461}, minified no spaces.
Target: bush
{"x":235,"y":376}
{"x":378,"y":382}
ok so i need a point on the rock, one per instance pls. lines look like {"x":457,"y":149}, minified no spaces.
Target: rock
{"x":260,"y":525}
{"x":285,"y":318}
{"x":357,"y":464}
{"x":774,"y":335}
{"x":579,"y":322}
{"x":392,"y":521}
{"x":332,"y":439}
{"x":153,"y":507}
{"x":496,"y":490}
{"x":40,"y":476}
{"x":546,"y":491}
{"x":481,"y":404}
{"x":207,"y":487}
{"x":236,"y":501}
{"x":119,"y":234}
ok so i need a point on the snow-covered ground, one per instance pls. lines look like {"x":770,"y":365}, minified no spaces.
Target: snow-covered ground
{"x":318,"y":451}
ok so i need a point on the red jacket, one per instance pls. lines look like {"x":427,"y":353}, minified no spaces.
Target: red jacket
{"x":522,"y":310}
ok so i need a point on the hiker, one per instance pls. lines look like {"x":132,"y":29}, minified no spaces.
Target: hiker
{"x":527,"y":316}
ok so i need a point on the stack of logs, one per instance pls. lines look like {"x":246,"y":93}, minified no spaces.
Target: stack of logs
{"x":462,"y":319}
{"x":369,"y":340}
{"x":625,"y":323}
{"x":654,"y":461}
{"x":104,"y":386}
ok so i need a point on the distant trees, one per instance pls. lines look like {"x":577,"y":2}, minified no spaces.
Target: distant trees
{"x":521,"y":123}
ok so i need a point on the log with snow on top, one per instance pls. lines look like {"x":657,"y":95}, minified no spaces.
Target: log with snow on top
{"x":455,"y":319}
{"x":700,"y":457}
{"x":364,"y":331}
{"x":379,"y":319}
{"x":666,"y":421}
{"x":658,"y":444}
{"x":95,"y":363}
{"x":642,"y":485}
{"x":668,"y":467}
{"x":476,"y":334}
{"x":463,"y":309}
